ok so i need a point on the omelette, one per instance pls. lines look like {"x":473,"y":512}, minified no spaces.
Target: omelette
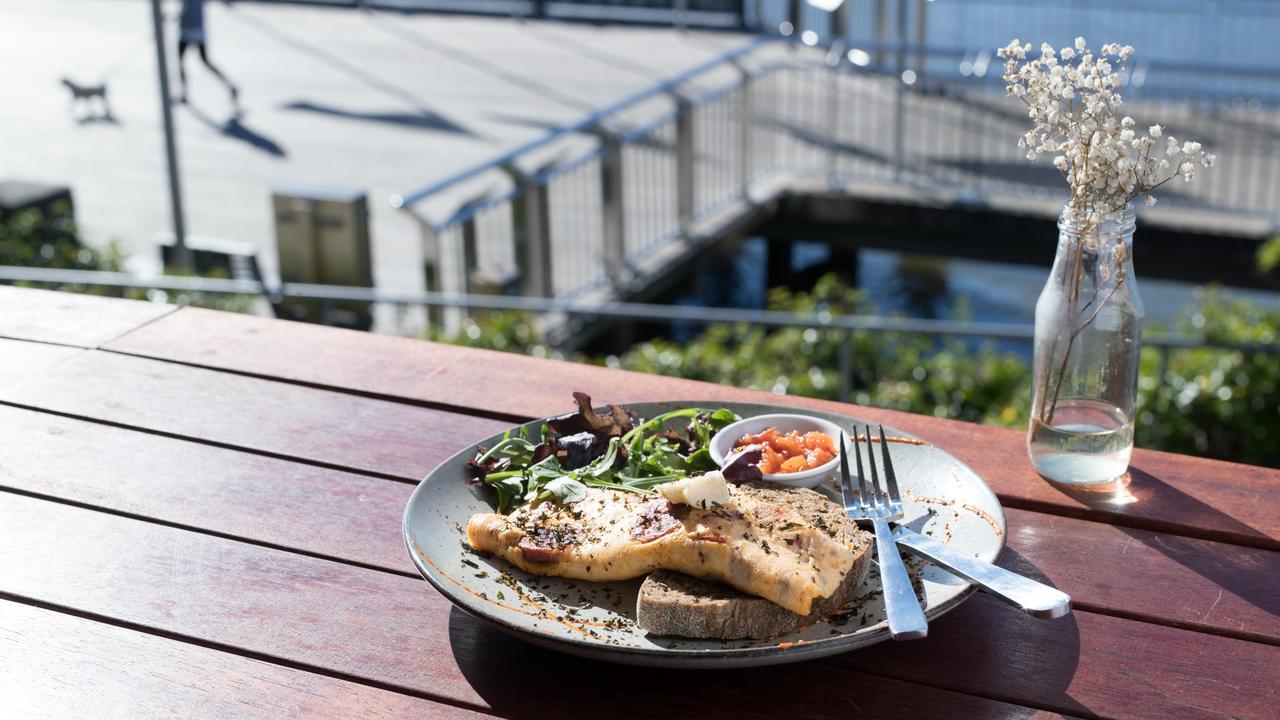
{"x":787,"y":545}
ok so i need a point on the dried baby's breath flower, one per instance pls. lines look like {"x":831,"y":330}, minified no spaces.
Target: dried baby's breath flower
{"x":1073,"y":100}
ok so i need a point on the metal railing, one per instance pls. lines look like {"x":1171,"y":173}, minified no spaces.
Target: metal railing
{"x":720,"y":14}
{"x":847,"y":325}
{"x":587,"y":208}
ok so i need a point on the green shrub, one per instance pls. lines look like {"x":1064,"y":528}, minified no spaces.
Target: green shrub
{"x":1221,"y":403}
{"x":1212,"y":402}
{"x":30,"y":239}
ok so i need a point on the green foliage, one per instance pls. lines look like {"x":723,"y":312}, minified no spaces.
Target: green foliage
{"x":904,"y":371}
{"x":30,"y":239}
{"x":1222,"y":403}
{"x":1213,"y":402}
{"x":1268,"y":257}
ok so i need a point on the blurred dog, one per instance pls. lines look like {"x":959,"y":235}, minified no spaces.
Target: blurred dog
{"x":84,"y":96}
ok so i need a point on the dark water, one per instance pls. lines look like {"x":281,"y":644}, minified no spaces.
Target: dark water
{"x":922,"y":286}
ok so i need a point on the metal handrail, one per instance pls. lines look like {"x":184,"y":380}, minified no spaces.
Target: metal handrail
{"x":590,"y":121}
{"x":609,"y":214}
{"x":618,"y":310}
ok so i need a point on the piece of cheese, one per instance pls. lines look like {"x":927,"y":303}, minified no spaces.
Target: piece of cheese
{"x":699,"y":491}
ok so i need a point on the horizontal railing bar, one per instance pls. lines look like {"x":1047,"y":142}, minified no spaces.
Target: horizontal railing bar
{"x":568,"y":166}
{"x":712,"y":95}
{"x":633,"y":134}
{"x":631,"y":311}
{"x":1198,"y":68}
{"x":473,"y":209}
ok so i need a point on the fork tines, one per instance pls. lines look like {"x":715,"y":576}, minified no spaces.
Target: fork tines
{"x":890,"y":478}
{"x":871,"y":493}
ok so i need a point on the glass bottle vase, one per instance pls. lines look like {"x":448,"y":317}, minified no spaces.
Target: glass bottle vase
{"x":1088,"y":336}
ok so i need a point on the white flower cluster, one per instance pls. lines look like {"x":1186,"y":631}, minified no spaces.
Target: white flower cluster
{"x":1072,"y":100}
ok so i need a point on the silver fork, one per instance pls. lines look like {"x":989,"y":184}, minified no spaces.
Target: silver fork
{"x":867,"y":501}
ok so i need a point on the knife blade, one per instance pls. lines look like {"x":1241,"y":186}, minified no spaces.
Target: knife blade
{"x":1034,"y":598}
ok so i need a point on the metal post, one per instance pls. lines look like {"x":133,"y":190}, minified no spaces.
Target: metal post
{"x":922,"y":30}
{"x":531,"y":225}
{"x":835,"y":56}
{"x":1162,"y":367}
{"x":881,"y":22}
{"x":793,"y":18}
{"x":181,"y":253}
{"x":899,"y":103}
{"x":470,"y":258}
{"x":834,"y":59}
{"x":838,"y":22}
{"x":431,"y":260}
{"x":684,"y":164}
{"x":611,"y":203}
{"x":681,"y":8}
{"x":746,"y":125}
{"x":846,"y":366}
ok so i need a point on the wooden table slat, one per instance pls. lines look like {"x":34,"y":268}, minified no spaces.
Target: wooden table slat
{"x":20,"y":361}
{"x":71,"y":319}
{"x":1188,"y":582}
{"x":327,"y":427}
{"x":1174,"y":493}
{"x":262,"y":499}
{"x":58,"y":665}
{"x":1221,"y":588}
{"x":395,"y":631}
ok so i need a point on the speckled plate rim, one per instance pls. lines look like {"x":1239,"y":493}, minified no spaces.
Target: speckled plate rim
{"x":699,"y":658}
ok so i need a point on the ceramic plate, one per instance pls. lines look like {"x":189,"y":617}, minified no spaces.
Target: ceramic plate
{"x":943,"y":497}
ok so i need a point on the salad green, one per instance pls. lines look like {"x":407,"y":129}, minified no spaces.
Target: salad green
{"x":587,"y":449}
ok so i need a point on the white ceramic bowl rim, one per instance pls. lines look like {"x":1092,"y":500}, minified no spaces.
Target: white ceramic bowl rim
{"x":720,"y":448}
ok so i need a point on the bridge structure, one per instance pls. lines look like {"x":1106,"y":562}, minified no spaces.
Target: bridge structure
{"x":802,"y":135}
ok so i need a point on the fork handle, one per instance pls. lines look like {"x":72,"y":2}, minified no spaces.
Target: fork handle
{"x":906,"y":619}
{"x":1035,"y":599}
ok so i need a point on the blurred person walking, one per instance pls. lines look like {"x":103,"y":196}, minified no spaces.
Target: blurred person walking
{"x":191,"y":32}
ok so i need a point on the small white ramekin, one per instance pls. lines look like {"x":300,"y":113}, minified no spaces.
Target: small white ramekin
{"x":722,"y":444}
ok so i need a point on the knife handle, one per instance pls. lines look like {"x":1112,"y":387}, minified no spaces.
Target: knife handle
{"x":1035,"y":599}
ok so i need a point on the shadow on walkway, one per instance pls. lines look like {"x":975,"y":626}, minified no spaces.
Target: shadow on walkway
{"x":417,"y":120}
{"x":235,"y":128}
{"x":340,"y":64}
{"x":476,"y":62}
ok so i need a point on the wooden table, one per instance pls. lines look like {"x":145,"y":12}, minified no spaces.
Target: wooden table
{"x":200,"y":517}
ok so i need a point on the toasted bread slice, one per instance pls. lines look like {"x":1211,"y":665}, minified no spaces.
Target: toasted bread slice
{"x":672,"y":603}
{"x":789,"y":545}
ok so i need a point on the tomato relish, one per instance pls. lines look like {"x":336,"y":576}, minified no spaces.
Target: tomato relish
{"x":790,"y":452}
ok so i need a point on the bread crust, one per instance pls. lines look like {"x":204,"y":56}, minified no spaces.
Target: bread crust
{"x":672,"y":603}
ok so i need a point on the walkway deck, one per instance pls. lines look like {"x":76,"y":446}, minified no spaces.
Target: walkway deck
{"x":380,"y":101}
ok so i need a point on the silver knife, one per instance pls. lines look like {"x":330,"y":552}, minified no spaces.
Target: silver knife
{"x":1035,"y":599}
